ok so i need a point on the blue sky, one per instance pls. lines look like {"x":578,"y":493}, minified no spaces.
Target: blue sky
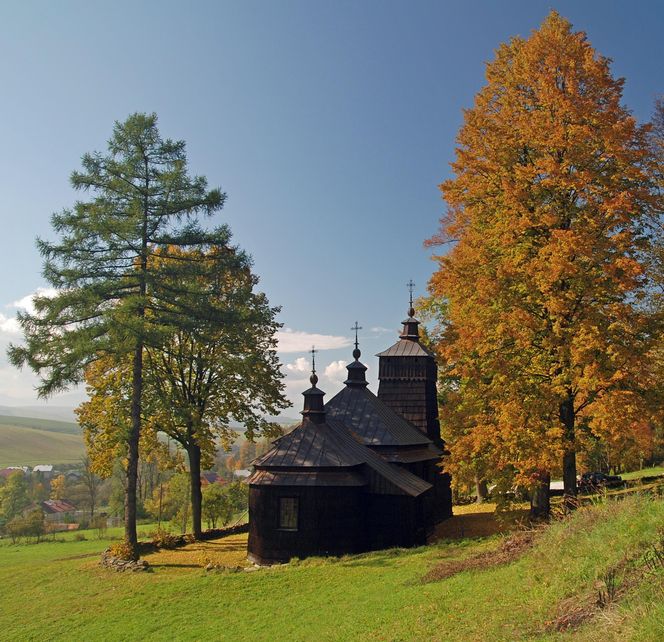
{"x":329,"y":125}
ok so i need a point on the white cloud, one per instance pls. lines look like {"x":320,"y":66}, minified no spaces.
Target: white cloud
{"x":299,"y":365}
{"x":298,"y":341}
{"x":336,"y":371}
{"x":380,"y":330}
{"x":293,"y":392}
{"x":27,"y":302}
{"x":17,"y":386}
{"x":9,"y":325}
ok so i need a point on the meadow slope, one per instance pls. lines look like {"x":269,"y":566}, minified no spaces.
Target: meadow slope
{"x":57,"y":591}
{"x":21,"y":445}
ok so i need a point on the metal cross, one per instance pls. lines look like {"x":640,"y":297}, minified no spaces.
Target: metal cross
{"x":411,"y":287}
{"x":313,"y":359}
{"x":356,"y":328}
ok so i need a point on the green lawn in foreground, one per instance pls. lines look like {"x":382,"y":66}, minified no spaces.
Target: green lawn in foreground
{"x":56,"y":591}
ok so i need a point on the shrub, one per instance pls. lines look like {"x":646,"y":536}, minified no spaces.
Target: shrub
{"x":123,"y":550}
{"x":80,"y":537}
{"x":14,"y":528}
{"x":100,"y":524}
{"x":162,"y":538}
{"x":28,"y":526}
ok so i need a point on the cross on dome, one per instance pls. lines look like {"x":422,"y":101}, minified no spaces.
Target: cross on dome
{"x":411,"y":286}
{"x":356,"y":352}
{"x":313,"y":378}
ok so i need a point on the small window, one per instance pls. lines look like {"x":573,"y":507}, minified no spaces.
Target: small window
{"x":288,"y":507}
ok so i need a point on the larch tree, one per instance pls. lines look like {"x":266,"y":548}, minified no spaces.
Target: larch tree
{"x":109,"y":295}
{"x":541,"y":292}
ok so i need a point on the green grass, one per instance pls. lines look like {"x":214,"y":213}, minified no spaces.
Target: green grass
{"x":21,"y":445}
{"x":49,"y":425}
{"x":56,"y":591}
{"x":644,"y":472}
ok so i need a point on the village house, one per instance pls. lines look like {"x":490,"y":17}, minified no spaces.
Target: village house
{"x":210,"y":477}
{"x":6,"y":472}
{"x":58,"y":511}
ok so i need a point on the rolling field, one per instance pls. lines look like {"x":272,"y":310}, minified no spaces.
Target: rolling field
{"x":479,"y":589}
{"x":21,"y":445}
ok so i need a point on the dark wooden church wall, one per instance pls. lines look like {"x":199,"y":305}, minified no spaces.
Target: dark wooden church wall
{"x":331,"y":521}
{"x":396,"y":520}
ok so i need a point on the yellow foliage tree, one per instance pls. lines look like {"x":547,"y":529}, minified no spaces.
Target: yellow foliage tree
{"x":58,"y":487}
{"x":106,"y":419}
{"x":540,"y":297}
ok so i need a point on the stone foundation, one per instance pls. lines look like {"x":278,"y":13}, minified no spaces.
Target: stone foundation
{"x":122,"y":566}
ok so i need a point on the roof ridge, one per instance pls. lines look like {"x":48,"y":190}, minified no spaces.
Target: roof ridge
{"x":386,"y":411}
{"x":345,"y":405}
{"x":400,"y":477}
{"x":309,"y":445}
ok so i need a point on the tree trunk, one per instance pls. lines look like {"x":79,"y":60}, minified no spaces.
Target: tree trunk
{"x":567,"y":417}
{"x":540,"y":498}
{"x":131,"y":536}
{"x":480,"y":489}
{"x":194,"y":453}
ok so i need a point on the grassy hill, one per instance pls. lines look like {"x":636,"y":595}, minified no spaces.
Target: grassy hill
{"x":28,"y":442}
{"x":534,"y":586}
{"x":49,"y":425}
{"x":43,"y":411}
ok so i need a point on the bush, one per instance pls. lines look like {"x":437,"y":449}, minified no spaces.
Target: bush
{"x":100,"y":524}
{"x":80,"y":537}
{"x":14,"y":528}
{"x":123,"y":550}
{"x":28,"y":526}
{"x":163,"y":539}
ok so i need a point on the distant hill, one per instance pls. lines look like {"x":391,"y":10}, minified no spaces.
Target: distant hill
{"x":55,"y":443}
{"x":58,"y":413}
{"x":28,"y":441}
{"x":49,"y":425}
{"x":284,"y":420}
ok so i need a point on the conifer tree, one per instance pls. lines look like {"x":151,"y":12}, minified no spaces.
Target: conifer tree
{"x":110,"y":297}
{"x":549,"y":213}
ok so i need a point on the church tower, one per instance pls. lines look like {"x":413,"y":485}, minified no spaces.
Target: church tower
{"x":407,"y":374}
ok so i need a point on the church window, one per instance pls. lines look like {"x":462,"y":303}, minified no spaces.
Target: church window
{"x":288,"y":509}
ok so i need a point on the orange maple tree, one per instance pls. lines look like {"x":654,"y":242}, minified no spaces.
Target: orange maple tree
{"x":544,"y":331}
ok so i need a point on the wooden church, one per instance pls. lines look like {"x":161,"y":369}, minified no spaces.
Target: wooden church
{"x":361,"y":472}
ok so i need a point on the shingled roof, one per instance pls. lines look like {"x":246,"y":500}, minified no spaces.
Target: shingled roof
{"x":371,"y":421}
{"x":310,"y":445}
{"x":406,"y":348}
{"x":404,"y":482}
{"x":313,"y":450}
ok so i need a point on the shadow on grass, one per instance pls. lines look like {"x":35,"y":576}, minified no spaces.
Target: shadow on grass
{"x":230,"y":551}
{"x":375,"y":559}
{"x":478,"y":525}
{"x":172,"y":565}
